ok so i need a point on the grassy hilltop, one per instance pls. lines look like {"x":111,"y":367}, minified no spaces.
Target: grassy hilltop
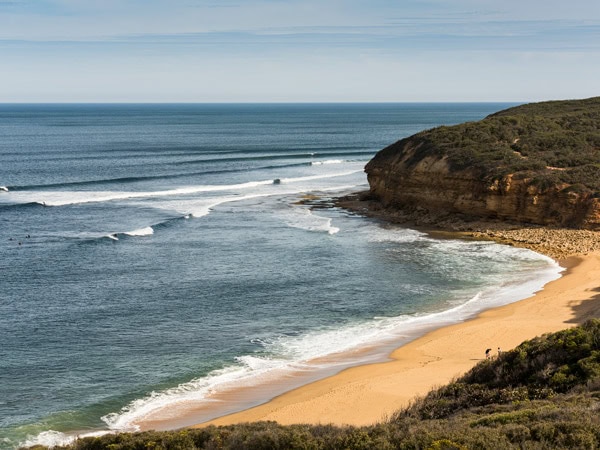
{"x":545,"y":394}
{"x":550,"y":142}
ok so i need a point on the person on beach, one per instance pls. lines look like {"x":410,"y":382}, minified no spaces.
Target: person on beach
{"x":499,"y":351}
{"x":488,"y":353}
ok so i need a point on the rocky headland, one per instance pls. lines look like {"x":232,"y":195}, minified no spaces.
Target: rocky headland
{"x":528,"y":175}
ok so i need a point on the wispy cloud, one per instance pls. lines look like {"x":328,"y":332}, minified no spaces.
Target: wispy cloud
{"x":299,"y":44}
{"x":409,"y":34}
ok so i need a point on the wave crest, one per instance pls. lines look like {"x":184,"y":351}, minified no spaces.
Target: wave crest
{"x":146,"y":231}
{"x":328,"y":161}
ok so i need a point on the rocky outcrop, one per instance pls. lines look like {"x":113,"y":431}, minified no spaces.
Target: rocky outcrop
{"x":413,"y":174}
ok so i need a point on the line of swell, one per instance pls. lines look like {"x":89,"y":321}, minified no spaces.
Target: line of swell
{"x":30,"y":187}
{"x":344,"y":155}
{"x":210,"y":150}
{"x":133,"y":153}
{"x":13,"y":206}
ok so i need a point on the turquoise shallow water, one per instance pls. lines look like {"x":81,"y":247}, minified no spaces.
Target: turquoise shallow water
{"x":148,"y":259}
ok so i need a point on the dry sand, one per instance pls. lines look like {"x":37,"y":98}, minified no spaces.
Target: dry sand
{"x":370,"y":393}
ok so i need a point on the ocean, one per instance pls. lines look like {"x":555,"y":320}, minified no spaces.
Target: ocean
{"x":154,"y":258}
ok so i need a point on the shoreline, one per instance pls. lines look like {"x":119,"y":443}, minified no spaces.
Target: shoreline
{"x":366,"y":394}
{"x":370,"y":393}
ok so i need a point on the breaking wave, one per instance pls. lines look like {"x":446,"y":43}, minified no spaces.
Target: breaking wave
{"x":329,"y":161}
{"x":53,"y":438}
{"x":146,"y":231}
{"x":305,"y":219}
{"x":64,"y":198}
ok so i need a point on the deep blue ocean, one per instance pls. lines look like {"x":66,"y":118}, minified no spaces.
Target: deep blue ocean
{"x":154,"y":257}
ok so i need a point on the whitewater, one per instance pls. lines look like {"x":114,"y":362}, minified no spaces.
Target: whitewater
{"x":157,"y":257}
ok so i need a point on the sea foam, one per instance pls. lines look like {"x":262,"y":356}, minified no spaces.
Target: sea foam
{"x":146,"y":231}
{"x":329,"y":161}
{"x":53,"y":438}
{"x":249,"y":371}
{"x":304,"y":218}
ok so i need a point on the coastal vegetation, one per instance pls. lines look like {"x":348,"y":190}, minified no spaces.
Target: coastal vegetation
{"x":544,"y":394}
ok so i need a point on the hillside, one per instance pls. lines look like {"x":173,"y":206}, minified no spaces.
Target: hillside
{"x":544,"y":394}
{"x":537,"y":163}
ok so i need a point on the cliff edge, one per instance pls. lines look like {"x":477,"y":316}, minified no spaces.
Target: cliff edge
{"x":537,"y":163}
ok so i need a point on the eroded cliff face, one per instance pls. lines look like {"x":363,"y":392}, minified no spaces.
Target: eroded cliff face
{"x":399,"y":180}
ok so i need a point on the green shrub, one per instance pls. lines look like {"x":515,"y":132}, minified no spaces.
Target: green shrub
{"x":504,"y":418}
{"x":446,"y":444}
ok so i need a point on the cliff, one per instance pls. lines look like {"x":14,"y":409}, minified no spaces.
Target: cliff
{"x":536,"y":163}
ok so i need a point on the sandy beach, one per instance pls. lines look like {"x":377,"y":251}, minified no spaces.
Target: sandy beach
{"x":370,"y":393}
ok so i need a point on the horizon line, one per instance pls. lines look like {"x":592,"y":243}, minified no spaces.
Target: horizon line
{"x":267,"y":102}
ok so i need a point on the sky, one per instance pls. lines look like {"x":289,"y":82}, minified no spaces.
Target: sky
{"x":298,"y":50}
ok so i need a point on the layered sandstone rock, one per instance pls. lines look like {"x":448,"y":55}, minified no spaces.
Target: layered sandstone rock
{"x":413,"y":174}
{"x":433,"y":186}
